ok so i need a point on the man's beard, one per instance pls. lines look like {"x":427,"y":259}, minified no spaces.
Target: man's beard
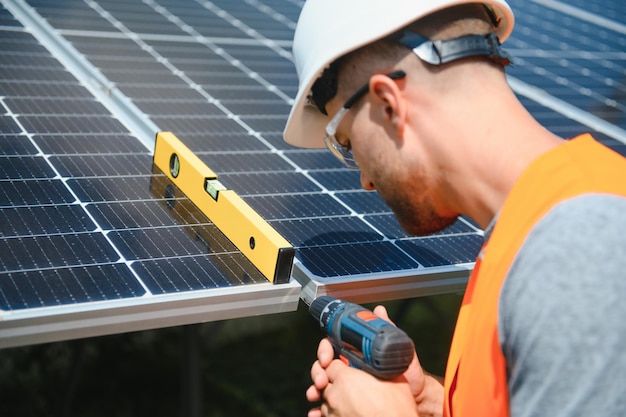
{"x":417,"y":219}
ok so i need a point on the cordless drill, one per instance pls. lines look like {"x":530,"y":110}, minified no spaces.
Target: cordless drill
{"x":363,"y":340}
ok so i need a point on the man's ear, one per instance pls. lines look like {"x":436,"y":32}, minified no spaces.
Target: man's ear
{"x":389,"y":95}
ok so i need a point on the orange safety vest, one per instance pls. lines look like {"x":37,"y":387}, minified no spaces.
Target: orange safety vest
{"x":476,"y":381}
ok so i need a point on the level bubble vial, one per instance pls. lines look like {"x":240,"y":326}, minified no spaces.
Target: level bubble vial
{"x":174,"y":165}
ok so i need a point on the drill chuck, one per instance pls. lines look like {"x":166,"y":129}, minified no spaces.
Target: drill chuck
{"x":362,"y":339}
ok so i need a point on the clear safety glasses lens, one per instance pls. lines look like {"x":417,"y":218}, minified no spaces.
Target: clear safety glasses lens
{"x":341,"y":152}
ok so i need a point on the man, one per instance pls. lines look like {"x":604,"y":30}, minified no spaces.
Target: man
{"x":413,"y":93}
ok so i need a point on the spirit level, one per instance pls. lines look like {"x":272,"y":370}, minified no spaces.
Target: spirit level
{"x":270,"y":253}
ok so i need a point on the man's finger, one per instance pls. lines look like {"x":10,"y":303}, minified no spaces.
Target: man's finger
{"x":335,"y":368}
{"x":318,"y":376}
{"x":325,"y":352}
{"x":315,"y":412}
{"x":313,"y":394}
{"x":381,"y":312}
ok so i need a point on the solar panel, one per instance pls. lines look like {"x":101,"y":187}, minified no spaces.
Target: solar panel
{"x":86,"y":246}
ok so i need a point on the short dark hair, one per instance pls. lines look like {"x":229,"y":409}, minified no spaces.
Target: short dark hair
{"x":325,"y":87}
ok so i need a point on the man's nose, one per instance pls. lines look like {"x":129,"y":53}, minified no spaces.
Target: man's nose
{"x":366,"y":183}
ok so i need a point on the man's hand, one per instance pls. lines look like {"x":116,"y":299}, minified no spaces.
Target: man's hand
{"x":346,"y":391}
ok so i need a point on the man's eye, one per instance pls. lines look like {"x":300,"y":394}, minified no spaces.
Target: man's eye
{"x":344,"y":142}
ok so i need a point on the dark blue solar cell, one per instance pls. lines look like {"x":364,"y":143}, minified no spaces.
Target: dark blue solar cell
{"x":389,"y":226}
{"x":296,"y":206}
{"x":16,"y":145}
{"x":257,"y":107}
{"x":276,"y":140}
{"x":29,"y":59}
{"x":34,"y":105}
{"x":8,"y":125}
{"x":198,"y":124}
{"x":209,"y":62}
{"x":314,"y":159}
{"x":222,"y":163}
{"x":89,"y":144}
{"x":439,"y":251}
{"x":326,"y":231}
{"x":52,"y":287}
{"x":102,"y":165}
{"x":40,"y":252}
{"x":262,"y":23}
{"x":111,"y":189}
{"x":42,"y":89}
{"x":167,"y":242}
{"x":6,"y":19}
{"x":179,"y":107}
{"x":233,"y":93}
{"x":265,"y":123}
{"x":234,"y":78}
{"x":166,"y":276}
{"x":340,"y":180}
{"x":354,"y":259}
{"x":71,"y":124}
{"x":131,"y":214}
{"x":35,"y":220}
{"x":250,"y":53}
{"x":33,"y":192}
{"x":20,"y":73}
{"x":221,"y":141}
{"x":156,"y":92}
{"x":130,"y":77}
{"x":113,"y":47}
{"x":25,"y":167}
{"x":366,"y":202}
{"x":268,"y":183}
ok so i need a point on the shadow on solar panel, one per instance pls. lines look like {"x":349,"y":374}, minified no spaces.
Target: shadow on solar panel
{"x":235,"y":267}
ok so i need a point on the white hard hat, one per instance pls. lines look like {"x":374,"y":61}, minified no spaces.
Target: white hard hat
{"x":329,"y":29}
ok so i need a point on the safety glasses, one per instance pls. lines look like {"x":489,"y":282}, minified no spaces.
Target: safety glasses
{"x":343,"y":152}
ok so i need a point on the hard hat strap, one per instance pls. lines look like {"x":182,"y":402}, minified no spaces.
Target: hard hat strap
{"x":443,"y":51}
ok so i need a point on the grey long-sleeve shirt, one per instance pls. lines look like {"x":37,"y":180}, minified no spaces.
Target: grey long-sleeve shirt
{"x":562,"y":313}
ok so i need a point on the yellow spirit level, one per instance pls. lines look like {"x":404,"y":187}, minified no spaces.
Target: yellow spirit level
{"x":270,"y":253}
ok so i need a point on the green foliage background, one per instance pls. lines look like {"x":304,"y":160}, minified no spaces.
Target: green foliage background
{"x":256,"y":366}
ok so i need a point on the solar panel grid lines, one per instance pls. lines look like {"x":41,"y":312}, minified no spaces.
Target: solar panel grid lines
{"x":240,"y":187}
{"x":219,"y":74}
{"x":89,"y":76}
{"x":275,"y":15}
{"x":185,"y":122}
{"x":41,"y":220}
{"x":567,"y":83}
{"x":296,"y":206}
{"x":27,"y":289}
{"x":36,"y":251}
{"x":604,"y":14}
{"x":180,"y":75}
{"x":269,"y":42}
{"x":62,"y":157}
{"x":576,"y":56}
